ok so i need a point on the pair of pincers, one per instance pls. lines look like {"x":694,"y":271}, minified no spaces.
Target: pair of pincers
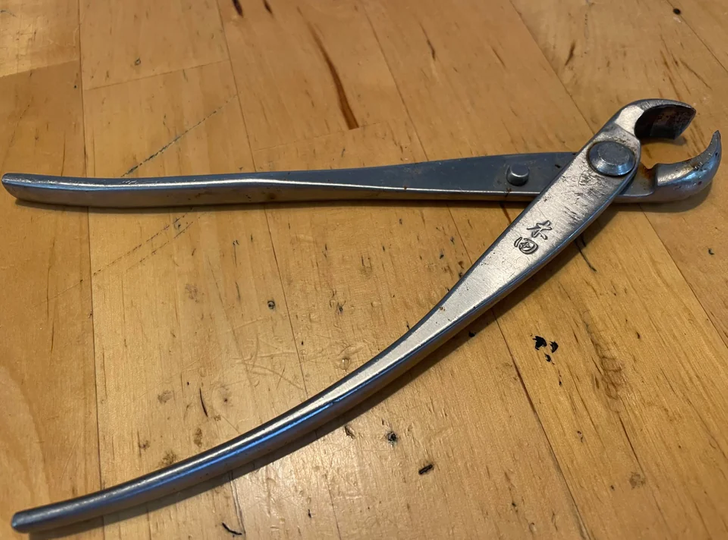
{"x":569,"y":192}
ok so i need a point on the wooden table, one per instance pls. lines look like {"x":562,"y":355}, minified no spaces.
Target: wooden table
{"x":131,"y":340}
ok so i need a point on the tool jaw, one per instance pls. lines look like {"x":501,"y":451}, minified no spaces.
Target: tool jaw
{"x":667,"y":119}
{"x":678,"y":181}
{"x":654,"y":118}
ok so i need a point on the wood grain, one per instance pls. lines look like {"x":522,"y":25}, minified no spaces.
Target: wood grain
{"x":193,"y":330}
{"x":135,"y":339}
{"x":37,"y":33}
{"x":124,"y":41}
{"x":328,"y":76}
{"x":48,"y":448}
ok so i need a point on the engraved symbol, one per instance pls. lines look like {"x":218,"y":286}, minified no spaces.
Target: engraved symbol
{"x":526,"y":245}
{"x":540,"y":229}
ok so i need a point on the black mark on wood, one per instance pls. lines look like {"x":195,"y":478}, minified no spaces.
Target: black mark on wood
{"x":427,"y":468}
{"x":271,"y":304}
{"x":505,"y":213}
{"x":392,"y":438}
{"x":202,"y":402}
{"x":554,"y":346}
{"x":228,"y":529}
{"x":540,"y":342}
{"x":239,"y":9}
{"x":580,"y":243}
{"x":433,"y":52}
{"x":570,"y":57}
{"x":267,"y":7}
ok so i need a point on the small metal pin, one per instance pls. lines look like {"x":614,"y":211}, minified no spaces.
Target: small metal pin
{"x":517,"y":174}
{"x":611,"y":158}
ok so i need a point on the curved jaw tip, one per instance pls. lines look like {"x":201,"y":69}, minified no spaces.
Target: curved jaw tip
{"x":676,"y":181}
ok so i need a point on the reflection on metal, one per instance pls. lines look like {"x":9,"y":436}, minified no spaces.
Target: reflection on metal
{"x":519,"y":177}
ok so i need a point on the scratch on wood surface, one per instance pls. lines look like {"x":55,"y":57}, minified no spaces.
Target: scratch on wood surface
{"x":178,"y":137}
{"x":202,"y":402}
{"x":695,"y":74}
{"x":259,"y":369}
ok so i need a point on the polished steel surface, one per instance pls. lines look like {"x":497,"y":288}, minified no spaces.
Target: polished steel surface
{"x":573,"y":200}
{"x":519,"y":177}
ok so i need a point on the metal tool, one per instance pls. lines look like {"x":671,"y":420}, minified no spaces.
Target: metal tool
{"x":517,"y":177}
{"x":584,"y":186}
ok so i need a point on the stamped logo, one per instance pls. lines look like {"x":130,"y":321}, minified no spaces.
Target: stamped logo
{"x":528,"y":245}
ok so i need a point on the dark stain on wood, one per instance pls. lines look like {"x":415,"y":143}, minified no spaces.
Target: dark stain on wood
{"x":344,"y":105}
{"x":570,"y":57}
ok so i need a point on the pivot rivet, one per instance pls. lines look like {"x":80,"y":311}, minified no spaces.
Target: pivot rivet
{"x":611,"y":158}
